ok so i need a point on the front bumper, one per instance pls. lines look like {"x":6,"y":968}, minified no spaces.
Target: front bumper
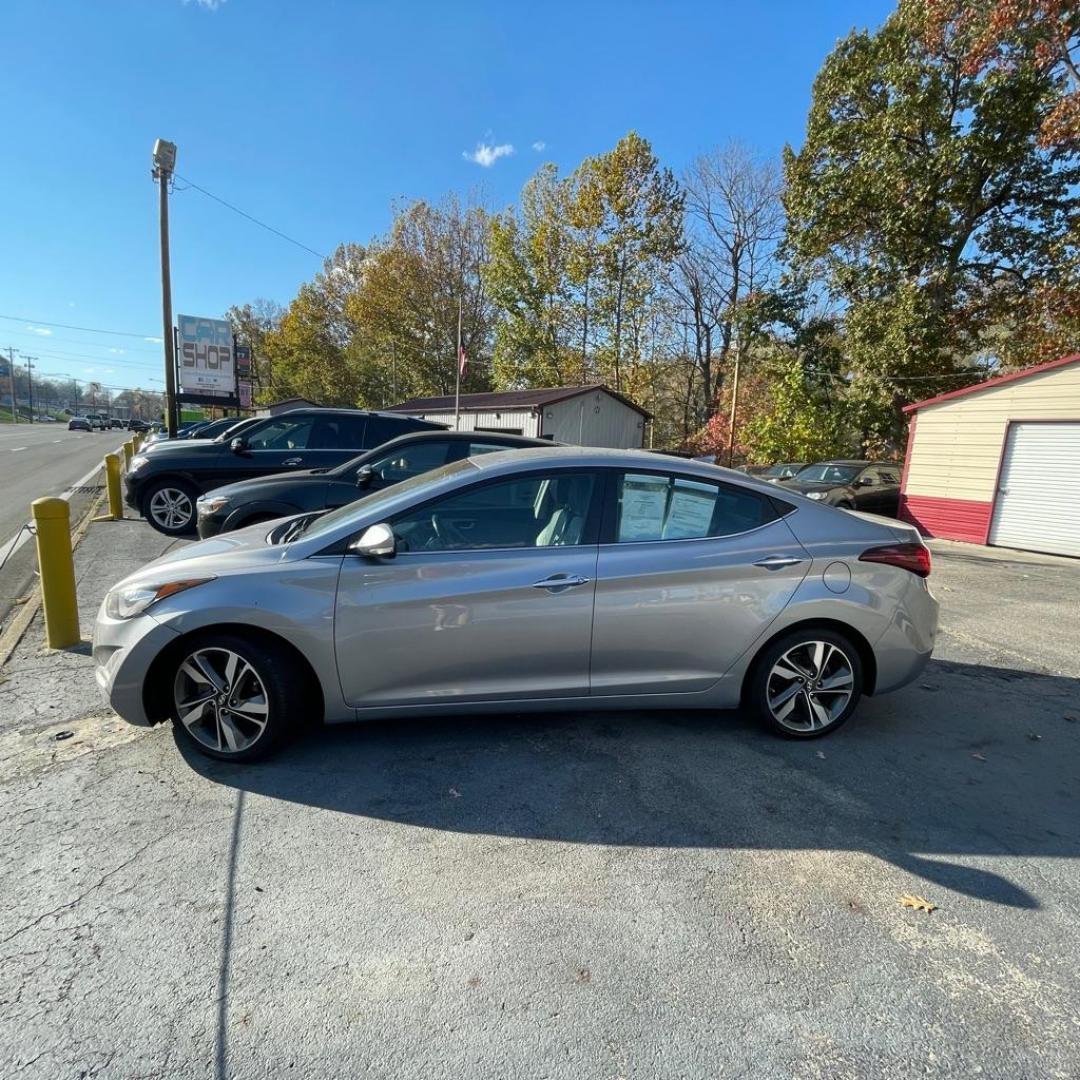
{"x":209,"y":525}
{"x":123,"y":651}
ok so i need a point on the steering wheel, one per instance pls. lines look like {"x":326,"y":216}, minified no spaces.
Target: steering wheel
{"x":447,"y":533}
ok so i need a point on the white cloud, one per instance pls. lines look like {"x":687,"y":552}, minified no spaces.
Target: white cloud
{"x":118,"y":352}
{"x":43,"y":331}
{"x":153,"y":340}
{"x":486,"y":155}
{"x":207,"y":5}
{"x":539,"y":146}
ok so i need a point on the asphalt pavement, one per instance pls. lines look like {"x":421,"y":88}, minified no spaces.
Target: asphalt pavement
{"x":633,"y":895}
{"x":38,"y":460}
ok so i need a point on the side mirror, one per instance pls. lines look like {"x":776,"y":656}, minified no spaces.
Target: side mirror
{"x":865,"y":481}
{"x":238,"y":445}
{"x":375,"y":542}
{"x":364,"y":476}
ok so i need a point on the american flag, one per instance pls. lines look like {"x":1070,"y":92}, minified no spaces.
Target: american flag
{"x":463,"y":362}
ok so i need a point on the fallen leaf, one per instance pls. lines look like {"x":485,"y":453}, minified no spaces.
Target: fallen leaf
{"x":821,"y":755}
{"x":1071,"y":719}
{"x":919,"y":903}
{"x":1033,"y":736}
{"x":978,"y":757}
{"x":455,"y":793}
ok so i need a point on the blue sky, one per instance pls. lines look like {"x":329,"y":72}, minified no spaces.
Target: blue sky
{"x":316,"y":116}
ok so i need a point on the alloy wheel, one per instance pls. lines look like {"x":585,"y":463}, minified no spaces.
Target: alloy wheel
{"x":170,"y":507}
{"x":221,"y":700}
{"x":809,"y":687}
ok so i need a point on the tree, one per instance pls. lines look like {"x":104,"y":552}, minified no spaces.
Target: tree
{"x":251,"y":323}
{"x":735,"y":221}
{"x":924,"y":197}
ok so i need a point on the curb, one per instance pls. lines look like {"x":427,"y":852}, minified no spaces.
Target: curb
{"x":18,"y":626}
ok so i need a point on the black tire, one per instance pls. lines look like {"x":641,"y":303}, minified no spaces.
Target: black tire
{"x":158,"y":497}
{"x":804,"y":719}
{"x":281,"y":685}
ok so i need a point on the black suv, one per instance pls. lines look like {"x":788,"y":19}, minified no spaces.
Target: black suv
{"x":163,"y":483}
{"x":251,"y":501}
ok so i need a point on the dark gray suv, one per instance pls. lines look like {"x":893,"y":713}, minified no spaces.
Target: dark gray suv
{"x":164,"y":482}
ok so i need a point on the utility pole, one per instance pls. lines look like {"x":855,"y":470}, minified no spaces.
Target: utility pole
{"x":457,"y":369}
{"x":11,"y":377}
{"x":30,"y":382}
{"x":734,"y":406}
{"x":164,"y":164}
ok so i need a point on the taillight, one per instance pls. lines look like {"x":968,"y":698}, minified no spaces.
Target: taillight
{"x":914,"y":557}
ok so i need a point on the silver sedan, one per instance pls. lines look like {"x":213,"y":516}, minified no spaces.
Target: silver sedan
{"x":549,"y":578}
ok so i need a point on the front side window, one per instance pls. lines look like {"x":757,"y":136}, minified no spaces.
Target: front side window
{"x":537,"y":510}
{"x":654,"y":507}
{"x":282,"y":434}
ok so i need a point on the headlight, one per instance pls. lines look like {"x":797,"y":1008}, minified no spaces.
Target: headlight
{"x":137,"y":462}
{"x":125,"y":601}
{"x":211,"y":504}
{"x":817,"y":494}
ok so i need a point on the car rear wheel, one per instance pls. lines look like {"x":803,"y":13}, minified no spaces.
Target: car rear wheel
{"x":169,"y":505}
{"x":235,"y":699}
{"x":807,"y":683}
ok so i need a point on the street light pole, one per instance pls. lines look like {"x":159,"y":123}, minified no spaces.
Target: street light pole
{"x":11,"y":378}
{"x":164,"y":163}
{"x":30,"y":383}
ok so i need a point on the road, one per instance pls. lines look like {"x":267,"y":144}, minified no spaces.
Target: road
{"x":580,"y":895}
{"x":37,"y":460}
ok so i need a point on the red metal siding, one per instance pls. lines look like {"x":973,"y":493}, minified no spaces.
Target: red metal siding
{"x":950,"y":519}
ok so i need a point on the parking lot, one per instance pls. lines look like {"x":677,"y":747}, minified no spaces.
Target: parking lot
{"x":620,"y":895}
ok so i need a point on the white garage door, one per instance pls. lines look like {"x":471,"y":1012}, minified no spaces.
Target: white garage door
{"x":1038,"y":498}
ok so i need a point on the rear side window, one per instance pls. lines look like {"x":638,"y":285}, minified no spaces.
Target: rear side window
{"x":382,"y":429}
{"x":656,"y":507}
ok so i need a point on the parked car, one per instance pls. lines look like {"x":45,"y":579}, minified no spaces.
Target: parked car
{"x":783,"y":470}
{"x":116,"y":423}
{"x":753,"y":470}
{"x":79,"y":423}
{"x":264,"y":498}
{"x":164,"y":483}
{"x":137,"y":425}
{"x":97,"y":422}
{"x":873,"y":486}
{"x":554,"y":578}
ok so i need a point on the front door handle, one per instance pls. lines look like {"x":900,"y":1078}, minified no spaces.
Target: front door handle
{"x":558,"y":582}
{"x":777,"y":562}
{"x":292,"y":461}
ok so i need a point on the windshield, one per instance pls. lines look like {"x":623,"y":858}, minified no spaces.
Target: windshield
{"x":829,"y":474}
{"x":415,"y":485}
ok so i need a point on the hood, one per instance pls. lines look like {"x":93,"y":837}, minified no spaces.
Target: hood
{"x":229,"y":553}
{"x":268,"y":485}
{"x":183,"y":446}
{"x":804,"y":486}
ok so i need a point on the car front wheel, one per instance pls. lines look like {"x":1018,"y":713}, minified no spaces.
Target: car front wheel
{"x":807,"y":683}
{"x":235,"y":699}
{"x":169,"y":505}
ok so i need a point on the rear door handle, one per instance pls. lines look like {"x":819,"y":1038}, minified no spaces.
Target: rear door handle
{"x":292,"y":461}
{"x":777,"y":562}
{"x":558,"y":582}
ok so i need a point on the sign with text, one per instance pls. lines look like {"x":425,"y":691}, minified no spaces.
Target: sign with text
{"x":245,"y":393}
{"x":204,"y":355}
{"x":243,"y":360}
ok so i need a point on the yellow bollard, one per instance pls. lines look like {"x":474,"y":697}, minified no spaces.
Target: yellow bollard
{"x":129,"y":453}
{"x":52,"y":521}
{"x":112,"y":482}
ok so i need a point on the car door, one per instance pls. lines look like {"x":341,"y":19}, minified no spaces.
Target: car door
{"x":281,"y":444}
{"x":888,"y":501}
{"x":866,"y":491}
{"x":489,"y":597}
{"x":690,"y":574}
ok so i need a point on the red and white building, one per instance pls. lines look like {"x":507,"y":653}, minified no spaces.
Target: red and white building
{"x":999,"y":463}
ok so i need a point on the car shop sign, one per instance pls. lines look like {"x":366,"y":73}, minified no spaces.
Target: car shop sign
{"x":204,"y":355}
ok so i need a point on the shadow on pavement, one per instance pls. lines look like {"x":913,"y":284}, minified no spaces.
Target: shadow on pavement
{"x":970,"y":762}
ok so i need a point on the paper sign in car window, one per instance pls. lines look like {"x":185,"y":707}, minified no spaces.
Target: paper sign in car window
{"x":641,"y":507}
{"x":691,"y":511}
